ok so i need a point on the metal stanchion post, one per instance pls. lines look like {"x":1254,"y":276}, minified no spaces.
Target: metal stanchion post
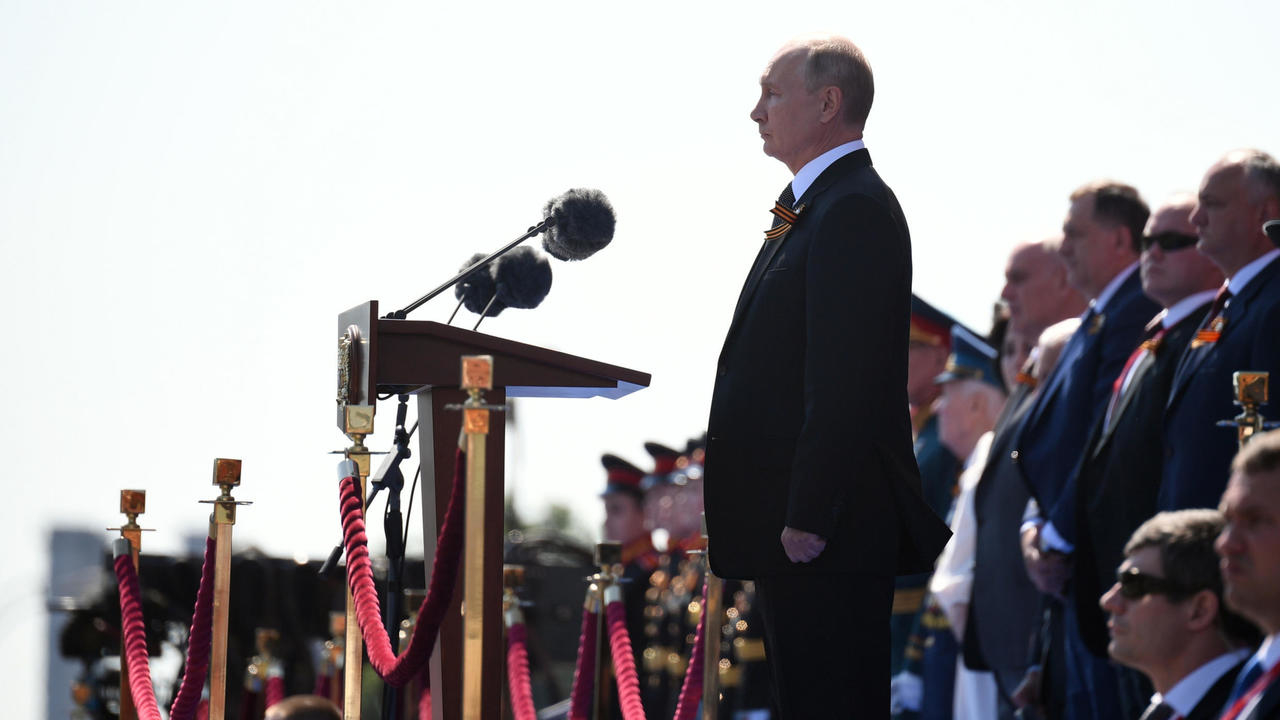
{"x":357,"y":424}
{"x":712,"y":612}
{"x":226,"y":475}
{"x":1250,"y":392}
{"x":609,"y":559}
{"x":132,"y":504}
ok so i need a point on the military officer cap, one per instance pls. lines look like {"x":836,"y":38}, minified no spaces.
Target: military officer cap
{"x":664,"y":464}
{"x":1272,"y":229}
{"x":971,"y":359}
{"x":621,"y":477}
{"x":929,"y":325}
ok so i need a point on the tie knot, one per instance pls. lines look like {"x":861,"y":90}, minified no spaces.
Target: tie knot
{"x":788,"y":198}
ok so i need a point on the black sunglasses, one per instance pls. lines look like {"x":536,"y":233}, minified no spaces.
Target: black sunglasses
{"x":1168,"y":241}
{"x":1135,"y":585}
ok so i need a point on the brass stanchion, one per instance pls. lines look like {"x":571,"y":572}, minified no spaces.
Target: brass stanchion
{"x":357,"y":424}
{"x":1250,"y":392}
{"x":132,"y":504}
{"x":609,"y":559}
{"x":712,"y":612}
{"x":477,"y":376}
{"x":226,"y":475}
{"x":512,"y":578}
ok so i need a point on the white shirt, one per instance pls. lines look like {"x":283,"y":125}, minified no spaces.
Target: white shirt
{"x":952,"y":581}
{"x":1241,"y":279}
{"x":1169,"y":317}
{"x":812,"y":169}
{"x":1190,"y":690}
{"x":1100,"y":303}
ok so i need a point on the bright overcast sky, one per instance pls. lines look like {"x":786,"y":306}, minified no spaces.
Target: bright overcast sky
{"x":189,"y":195}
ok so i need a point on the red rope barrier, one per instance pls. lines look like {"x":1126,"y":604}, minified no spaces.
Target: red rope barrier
{"x":624,"y":662}
{"x":585,"y":671}
{"x":424,"y":694}
{"x":518,"y":674}
{"x":691,"y":691}
{"x":274,"y":690}
{"x":397,"y":670}
{"x":199,"y":642}
{"x":135,"y":639}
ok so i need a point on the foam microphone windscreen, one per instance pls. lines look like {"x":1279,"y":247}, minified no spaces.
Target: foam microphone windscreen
{"x":579,"y":223}
{"x":523,"y":278}
{"x":477,"y":288}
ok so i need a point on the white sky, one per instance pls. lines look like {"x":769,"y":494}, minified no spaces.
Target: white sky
{"x":190,"y":194}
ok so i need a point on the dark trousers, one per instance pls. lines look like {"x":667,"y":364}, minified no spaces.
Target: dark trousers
{"x":827,"y":642}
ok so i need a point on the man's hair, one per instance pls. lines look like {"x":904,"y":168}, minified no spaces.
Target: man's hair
{"x":1185,"y":540}
{"x":1262,"y":175}
{"x":1117,"y":204}
{"x":837,"y":61}
{"x":1260,"y":455}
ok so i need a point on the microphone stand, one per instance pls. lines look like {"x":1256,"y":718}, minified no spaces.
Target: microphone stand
{"x":390,"y":478}
{"x":532,"y":231}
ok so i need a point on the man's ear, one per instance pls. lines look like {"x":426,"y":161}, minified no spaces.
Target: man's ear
{"x":832,"y":102}
{"x":1202,"y":610}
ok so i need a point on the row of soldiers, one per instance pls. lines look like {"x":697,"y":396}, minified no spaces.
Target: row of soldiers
{"x":1092,"y":405}
{"x":663,"y":583}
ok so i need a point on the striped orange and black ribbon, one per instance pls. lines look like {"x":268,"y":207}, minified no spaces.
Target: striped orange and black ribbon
{"x":786,"y":215}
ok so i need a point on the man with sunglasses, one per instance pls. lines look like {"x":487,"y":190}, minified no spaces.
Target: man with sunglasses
{"x":1238,"y":194}
{"x":1119,"y":476}
{"x":1249,"y":547}
{"x":1168,"y":620}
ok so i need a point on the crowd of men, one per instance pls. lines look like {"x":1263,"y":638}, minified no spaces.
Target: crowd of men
{"x":1108,"y":560}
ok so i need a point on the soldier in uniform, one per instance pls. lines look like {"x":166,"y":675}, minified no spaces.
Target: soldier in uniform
{"x":929,"y":346}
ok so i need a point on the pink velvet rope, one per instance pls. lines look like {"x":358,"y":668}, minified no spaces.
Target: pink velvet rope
{"x":518,"y":674}
{"x":135,"y":640}
{"x":691,"y":691}
{"x":399,"y":670}
{"x":584,"y":672}
{"x":424,"y":694}
{"x":199,"y":642}
{"x":624,"y":662}
{"x":274,"y":691}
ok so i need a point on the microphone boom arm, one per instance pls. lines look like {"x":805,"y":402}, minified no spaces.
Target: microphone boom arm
{"x":531,"y":232}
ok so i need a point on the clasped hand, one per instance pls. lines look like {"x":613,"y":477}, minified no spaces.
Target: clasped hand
{"x":801,"y":546}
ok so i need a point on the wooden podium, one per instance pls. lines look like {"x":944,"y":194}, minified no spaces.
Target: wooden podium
{"x":380,"y":355}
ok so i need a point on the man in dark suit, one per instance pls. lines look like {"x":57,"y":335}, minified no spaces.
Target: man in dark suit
{"x":1100,"y":246}
{"x":1239,"y":193}
{"x":1119,"y":476}
{"x":1249,"y":547}
{"x":1168,"y":620}
{"x":811,"y":486}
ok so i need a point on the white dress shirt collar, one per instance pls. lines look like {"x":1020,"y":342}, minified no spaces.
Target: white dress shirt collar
{"x":812,"y":169}
{"x":1269,"y":651}
{"x":1178,"y":312}
{"x":1190,"y":690}
{"x":1099,"y":303}
{"x":1238,"y":282}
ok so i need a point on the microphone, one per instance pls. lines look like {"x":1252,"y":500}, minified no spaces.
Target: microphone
{"x":578,"y":223}
{"x":476,"y":289}
{"x":522,"y":278}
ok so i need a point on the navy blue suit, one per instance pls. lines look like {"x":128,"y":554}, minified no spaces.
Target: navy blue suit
{"x":1050,"y":441}
{"x":1197,"y":455}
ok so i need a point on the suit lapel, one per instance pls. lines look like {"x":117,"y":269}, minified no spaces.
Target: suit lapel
{"x":837,"y":170}
{"x":1233,"y":315}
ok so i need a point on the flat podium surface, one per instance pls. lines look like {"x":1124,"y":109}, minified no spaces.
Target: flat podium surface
{"x":424,"y":358}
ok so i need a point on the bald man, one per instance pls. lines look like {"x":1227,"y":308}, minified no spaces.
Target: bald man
{"x":1036,"y":288}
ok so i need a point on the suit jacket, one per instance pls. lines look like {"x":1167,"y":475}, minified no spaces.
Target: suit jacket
{"x":1003,"y":606}
{"x":1268,"y":708}
{"x":1119,"y":477}
{"x":809,"y":424}
{"x":1197,"y":455}
{"x":1210,"y":705}
{"x":1050,"y":441}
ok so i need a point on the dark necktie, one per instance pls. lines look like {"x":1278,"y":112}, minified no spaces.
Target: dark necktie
{"x":1245,"y":680}
{"x":783,"y":214}
{"x":1211,"y":329}
{"x":1159,"y":712}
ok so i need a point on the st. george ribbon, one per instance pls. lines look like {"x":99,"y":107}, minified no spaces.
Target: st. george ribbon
{"x":576,"y":225}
